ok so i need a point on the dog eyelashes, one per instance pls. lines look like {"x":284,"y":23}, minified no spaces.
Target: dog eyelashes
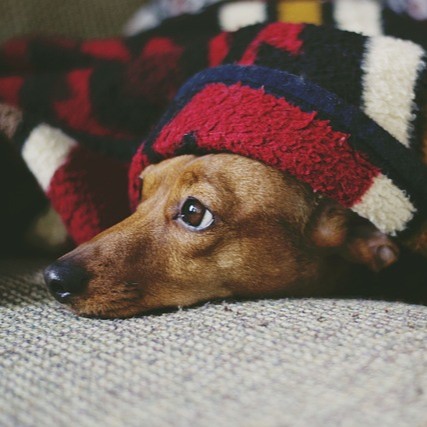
{"x":194,"y":215}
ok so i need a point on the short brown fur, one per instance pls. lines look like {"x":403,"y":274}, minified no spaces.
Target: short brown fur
{"x":271,"y":236}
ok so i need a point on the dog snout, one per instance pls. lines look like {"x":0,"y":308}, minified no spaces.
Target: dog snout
{"x":65,"y":280}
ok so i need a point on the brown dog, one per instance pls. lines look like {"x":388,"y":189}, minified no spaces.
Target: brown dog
{"x":218,"y":226}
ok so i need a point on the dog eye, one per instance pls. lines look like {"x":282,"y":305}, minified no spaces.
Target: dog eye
{"x":195,"y":215}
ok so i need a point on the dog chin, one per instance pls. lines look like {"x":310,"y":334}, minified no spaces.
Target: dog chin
{"x":103,"y":311}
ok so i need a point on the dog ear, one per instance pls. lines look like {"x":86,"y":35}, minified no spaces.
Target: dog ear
{"x":339,"y":230}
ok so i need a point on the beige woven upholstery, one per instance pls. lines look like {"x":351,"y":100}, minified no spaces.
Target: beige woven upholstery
{"x":261,"y":364}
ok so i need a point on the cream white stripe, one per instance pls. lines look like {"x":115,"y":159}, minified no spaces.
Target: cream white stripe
{"x":386,"y":206}
{"x":144,"y":19}
{"x":48,"y":231}
{"x":391,"y":67}
{"x":237,"y":15}
{"x":360,"y":16}
{"x":45,"y":150}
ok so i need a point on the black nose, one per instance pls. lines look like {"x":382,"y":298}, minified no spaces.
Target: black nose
{"x":65,"y":279}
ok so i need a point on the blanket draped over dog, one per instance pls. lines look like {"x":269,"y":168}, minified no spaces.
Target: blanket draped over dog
{"x":338,"y":110}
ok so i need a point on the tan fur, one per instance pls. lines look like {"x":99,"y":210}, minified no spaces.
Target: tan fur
{"x":271,"y":236}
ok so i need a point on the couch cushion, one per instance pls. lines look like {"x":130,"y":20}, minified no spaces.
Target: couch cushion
{"x":307,"y":362}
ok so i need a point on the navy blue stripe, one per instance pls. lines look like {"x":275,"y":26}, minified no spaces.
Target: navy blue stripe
{"x":396,"y":161}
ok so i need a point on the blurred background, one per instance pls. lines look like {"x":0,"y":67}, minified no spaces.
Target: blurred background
{"x":104,"y":18}
{"x":76,"y":18}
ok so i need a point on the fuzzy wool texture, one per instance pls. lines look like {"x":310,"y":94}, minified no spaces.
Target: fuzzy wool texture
{"x":402,"y":18}
{"x":385,"y":205}
{"x":309,"y":362}
{"x":388,"y":80}
{"x":48,"y":231}
{"x":360,"y":16}
{"x":46,"y":150}
{"x":252,"y":123}
{"x":288,"y":123}
{"x":237,"y":15}
{"x":108,"y":95}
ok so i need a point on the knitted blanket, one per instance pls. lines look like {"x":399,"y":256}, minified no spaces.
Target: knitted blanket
{"x":406,"y":19}
{"x":338,"y":110}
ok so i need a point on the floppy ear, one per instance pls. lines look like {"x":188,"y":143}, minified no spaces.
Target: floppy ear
{"x":339,"y":230}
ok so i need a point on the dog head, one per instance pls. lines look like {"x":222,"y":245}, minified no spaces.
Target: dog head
{"x":211,"y":227}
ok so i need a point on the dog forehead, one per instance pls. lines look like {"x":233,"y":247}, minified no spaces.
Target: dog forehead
{"x":231,"y":175}
{"x":165,"y":173}
{"x":167,"y":167}
{"x":220,"y":175}
{"x":238,"y":172}
{"x":248,"y":189}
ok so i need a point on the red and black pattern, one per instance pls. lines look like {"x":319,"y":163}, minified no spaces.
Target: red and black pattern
{"x":107,"y":95}
{"x":291,"y":124}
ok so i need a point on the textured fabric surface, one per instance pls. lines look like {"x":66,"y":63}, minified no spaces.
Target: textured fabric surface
{"x":295,"y":126}
{"x":78,"y":18}
{"x":266,"y":363}
{"x":79,"y":114}
{"x":406,"y":19}
{"x":155,"y":11}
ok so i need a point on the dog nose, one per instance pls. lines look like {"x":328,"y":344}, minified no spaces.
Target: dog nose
{"x":65,"y":279}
